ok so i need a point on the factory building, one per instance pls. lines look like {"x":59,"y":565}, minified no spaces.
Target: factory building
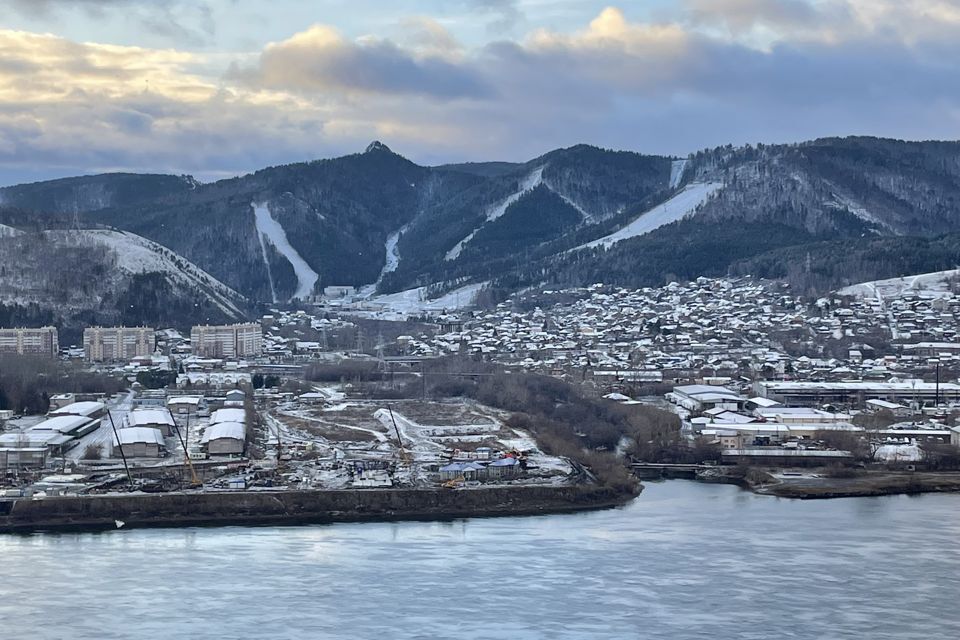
{"x":185,"y":405}
{"x":227,"y":341}
{"x":224,"y":438}
{"x":91,"y":410}
{"x":111,"y":344}
{"x":22,"y":458}
{"x":227,"y":433}
{"x":158,"y":419}
{"x":30,"y":342}
{"x":139,"y":442}
{"x":856,"y":393}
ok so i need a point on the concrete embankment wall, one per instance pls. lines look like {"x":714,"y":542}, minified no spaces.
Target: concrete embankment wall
{"x":263,"y":507}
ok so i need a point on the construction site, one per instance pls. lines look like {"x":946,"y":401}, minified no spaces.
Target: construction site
{"x":341,"y":443}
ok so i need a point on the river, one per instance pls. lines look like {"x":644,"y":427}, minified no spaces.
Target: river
{"x":685,"y":560}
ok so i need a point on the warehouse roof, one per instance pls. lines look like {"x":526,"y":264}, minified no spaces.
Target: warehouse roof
{"x":144,"y":417}
{"x":193,"y":400}
{"x":229,"y":414}
{"x":79,"y":409}
{"x":232,"y":430}
{"x":62,"y":424}
{"x":137,"y":435}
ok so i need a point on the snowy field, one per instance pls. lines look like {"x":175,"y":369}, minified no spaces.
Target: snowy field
{"x":414,"y":301}
{"x":926,"y":285}
{"x":676,"y":208}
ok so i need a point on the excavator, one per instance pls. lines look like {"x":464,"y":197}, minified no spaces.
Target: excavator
{"x":453,"y":483}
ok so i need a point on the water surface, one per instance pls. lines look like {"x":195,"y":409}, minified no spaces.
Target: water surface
{"x":685,"y":560}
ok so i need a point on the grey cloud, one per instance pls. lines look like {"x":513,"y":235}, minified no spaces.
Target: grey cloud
{"x":187,"y":22}
{"x":316,"y":65}
{"x":616,"y":91}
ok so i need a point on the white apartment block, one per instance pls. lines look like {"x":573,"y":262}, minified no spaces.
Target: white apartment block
{"x":109,"y":344}
{"x":227,"y":341}
{"x":21,"y":341}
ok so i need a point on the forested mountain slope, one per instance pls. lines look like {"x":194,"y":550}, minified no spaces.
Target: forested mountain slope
{"x":75,"y":278}
{"x":569,"y":217}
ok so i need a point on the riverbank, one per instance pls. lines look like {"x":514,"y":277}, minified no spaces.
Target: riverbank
{"x":98,"y":512}
{"x":814,"y":484}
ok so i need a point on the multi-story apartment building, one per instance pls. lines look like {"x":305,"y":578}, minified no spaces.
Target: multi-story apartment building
{"x":42,"y":342}
{"x":227,"y":341}
{"x":107,"y":344}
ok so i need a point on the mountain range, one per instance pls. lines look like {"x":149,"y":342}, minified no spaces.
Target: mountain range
{"x":821,"y":214}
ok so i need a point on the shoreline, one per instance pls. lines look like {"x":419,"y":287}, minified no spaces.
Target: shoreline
{"x":286,"y":507}
{"x":817,"y":484}
{"x":820,"y":486}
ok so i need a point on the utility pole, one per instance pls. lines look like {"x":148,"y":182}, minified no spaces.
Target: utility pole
{"x":936,"y":402}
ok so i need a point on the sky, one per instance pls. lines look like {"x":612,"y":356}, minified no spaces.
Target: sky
{"x":216,"y":88}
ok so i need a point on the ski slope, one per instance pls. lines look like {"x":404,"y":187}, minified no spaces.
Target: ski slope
{"x":270,"y":229}
{"x":676,"y":172}
{"x":676,"y":208}
{"x":531,"y":182}
{"x":393,"y":254}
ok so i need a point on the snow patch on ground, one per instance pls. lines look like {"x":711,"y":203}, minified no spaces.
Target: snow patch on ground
{"x":267,"y":226}
{"x":136,"y":254}
{"x":899,"y":453}
{"x":580,"y":210}
{"x":677,"y":167}
{"x":927,"y":285}
{"x":415,"y":300}
{"x":8,"y":232}
{"x":676,"y":208}
{"x":527,"y":184}
{"x":840,"y":202}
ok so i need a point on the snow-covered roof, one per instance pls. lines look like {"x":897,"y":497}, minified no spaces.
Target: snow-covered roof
{"x":137,"y":435}
{"x":34,"y":439}
{"x":79,"y":409}
{"x":231,"y":430}
{"x":191,"y":400}
{"x":145,"y":417}
{"x":228,"y":414}
{"x":62,"y":424}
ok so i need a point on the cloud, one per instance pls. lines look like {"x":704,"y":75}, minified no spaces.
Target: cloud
{"x":185,"y":22}
{"x":707,"y":74}
{"x":319,"y":59}
{"x":507,"y":13}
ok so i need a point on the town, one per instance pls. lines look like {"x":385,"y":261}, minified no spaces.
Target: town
{"x":753,"y":375}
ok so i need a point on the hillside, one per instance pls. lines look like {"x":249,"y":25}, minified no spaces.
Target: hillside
{"x":572,"y":216}
{"x":76,"y":278}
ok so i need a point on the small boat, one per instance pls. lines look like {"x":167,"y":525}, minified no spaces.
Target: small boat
{"x":119,"y":523}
